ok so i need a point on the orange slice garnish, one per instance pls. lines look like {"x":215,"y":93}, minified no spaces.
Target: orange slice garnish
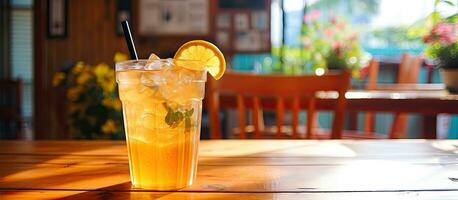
{"x":208,"y":55}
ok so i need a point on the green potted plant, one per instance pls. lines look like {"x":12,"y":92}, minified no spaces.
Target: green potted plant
{"x":336,"y":43}
{"x":440,"y":37}
{"x":442,"y":46}
{"x":93,"y":107}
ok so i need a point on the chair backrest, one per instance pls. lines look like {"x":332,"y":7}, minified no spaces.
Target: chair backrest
{"x":372,"y":75}
{"x":278,"y":92}
{"x":369,"y":118}
{"x":409,"y":68}
{"x":10,"y":108}
{"x":408,"y":72}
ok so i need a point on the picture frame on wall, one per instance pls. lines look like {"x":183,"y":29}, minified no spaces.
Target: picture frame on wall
{"x":241,"y":22}
{"x":165,"y":17}
{"x":57,"y":19}
{"x":223,"y":21}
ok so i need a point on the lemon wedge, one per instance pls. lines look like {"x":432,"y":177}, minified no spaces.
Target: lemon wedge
{"x":207,"y":55}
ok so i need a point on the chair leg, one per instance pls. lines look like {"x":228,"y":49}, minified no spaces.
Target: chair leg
{"x":353,"y":117}
{"x":399,"y":127}
{"x":430,"y":126}
{"x":369,"y":127}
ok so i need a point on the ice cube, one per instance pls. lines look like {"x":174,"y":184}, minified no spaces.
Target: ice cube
{"x":148,"y":79}
{"x":185,"y":77}
{"x":177,"y":84}
{"x":153,"y":62}
{"x":154,"y":65}
{"x":153,"y":57}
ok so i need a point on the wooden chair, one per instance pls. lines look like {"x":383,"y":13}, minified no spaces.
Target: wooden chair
{"x":277,"y":92}
{"x":409,"y":69}
{"x":369,"y":117}
{"x":10,"y":109}
{"x":369,"y":120}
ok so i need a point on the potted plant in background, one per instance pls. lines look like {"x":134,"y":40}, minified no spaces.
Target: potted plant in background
{"x":440,"y":35}
{"x":326,"y":43}
{"x":442,"y":46}
{"x":93,"y":108}
{"x":332,"y":44}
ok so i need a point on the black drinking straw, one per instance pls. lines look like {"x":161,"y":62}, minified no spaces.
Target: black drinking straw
{"x":129,"y":40}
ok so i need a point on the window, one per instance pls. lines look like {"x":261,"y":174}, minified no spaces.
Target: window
{"x":382,"y":24}
{"x":21,"y":49}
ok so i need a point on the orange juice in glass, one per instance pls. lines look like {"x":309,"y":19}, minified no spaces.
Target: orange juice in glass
{"x":162,"y":105}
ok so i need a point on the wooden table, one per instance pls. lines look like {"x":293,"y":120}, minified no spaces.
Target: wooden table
{"x":240,"y":169}
{"x":429,"y":100}
{"x":426,"y":99}
{"x":411,"y":87}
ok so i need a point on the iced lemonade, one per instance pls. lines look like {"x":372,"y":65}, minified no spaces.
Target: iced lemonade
{"x":162,"y":104}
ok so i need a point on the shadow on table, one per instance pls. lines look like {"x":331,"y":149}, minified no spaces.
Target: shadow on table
{"x":118,"y":191}
{"x":25,"y":164}
{"x":215,"y":174}
{"x":63,"y":171}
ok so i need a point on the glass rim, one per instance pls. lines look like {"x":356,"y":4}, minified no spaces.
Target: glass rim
{"x":160,"y":60}
{"x":140,"y":63}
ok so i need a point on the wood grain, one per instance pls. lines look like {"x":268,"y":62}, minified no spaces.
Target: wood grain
{"x":256,"y":169}
{"x":75,"y":195}
{"x":245,"y":148}
{"x":357,"y":176}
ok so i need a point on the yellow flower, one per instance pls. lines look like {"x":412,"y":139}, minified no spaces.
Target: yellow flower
{"x":101,"y":70}
{"x":83,"y":78}
{"x":117,"y":104}
{"x":109,"y":127}
{"x":78,"y":68}
{"x":57,"y":78}
{"x":112,"y":103}
{"x":105,"y":77}
{"x":355,"y":73}
{"x":108,"y":85}
{"x":74,"y":93}
{"x":106,"y":102}
{"x":120,"y":57}
{"x":72,"y":107}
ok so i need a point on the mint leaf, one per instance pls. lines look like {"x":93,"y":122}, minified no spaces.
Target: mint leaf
{"x":189,"y":112}
{"x":169,"y":118}
{"x":177,"y":117}
{"x":174,"y":118}
{"x":187,"y":125}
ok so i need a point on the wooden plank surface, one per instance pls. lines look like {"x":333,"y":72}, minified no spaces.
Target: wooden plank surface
{"x":412,"y":101}
{"x":401,"y":94}
{"x":83,"y":195}
{"x":407,"y":87}
{"x":249,"y":169}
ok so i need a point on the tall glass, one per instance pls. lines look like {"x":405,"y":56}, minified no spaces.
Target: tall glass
{"x":162,"y":105}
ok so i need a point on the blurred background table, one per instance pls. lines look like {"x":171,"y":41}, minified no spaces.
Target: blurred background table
{"x":239,"y":169}
{"x":409,"y":86}
{"x":429,"y":100}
